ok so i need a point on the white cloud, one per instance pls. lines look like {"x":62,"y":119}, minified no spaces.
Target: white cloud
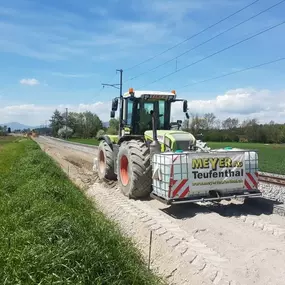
{"x":60,"y":35}
{"x":60,"y":40}
{"x":265,"y":105}
{"x":54,"y":34}
{"x":178,"y":14}
{"x":34,"y":115}
{"x":29,"y":81}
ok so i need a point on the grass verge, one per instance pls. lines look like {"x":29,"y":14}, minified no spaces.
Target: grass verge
{"x":6,"y":139}
{"x":271,"y":157}
{"x":50,"y":232}
{"x":85,"y":141}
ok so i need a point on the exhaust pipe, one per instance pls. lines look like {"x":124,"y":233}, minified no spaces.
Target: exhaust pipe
{"x":154,"y":145}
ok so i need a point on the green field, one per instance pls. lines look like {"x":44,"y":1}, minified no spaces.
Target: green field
{"x":271,"y":157}
{"x":85,"y":141}
{"x":50,"y":232}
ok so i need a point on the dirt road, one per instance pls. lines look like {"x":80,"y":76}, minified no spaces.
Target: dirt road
{"x":225,"y":243}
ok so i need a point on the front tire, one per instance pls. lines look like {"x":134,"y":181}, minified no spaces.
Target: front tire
{"x":134,"y":169}
{"x":105,"y":162}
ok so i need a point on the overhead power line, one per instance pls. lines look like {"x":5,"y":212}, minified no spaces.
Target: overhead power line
{"x":234,"y":72}
{"x":99,"y":91}
{"x":191,"y":37}
{"x":212,"y":38}
{"x":217,"y":52}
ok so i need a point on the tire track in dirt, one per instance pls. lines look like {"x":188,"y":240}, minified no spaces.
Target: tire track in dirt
{"x":222,"y":244}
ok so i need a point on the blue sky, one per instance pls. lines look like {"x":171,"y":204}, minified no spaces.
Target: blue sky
{"x":55,"y":54}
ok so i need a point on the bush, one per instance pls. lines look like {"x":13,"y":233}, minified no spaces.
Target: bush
{"x":65,"y":132}
{"x":100,"y":133}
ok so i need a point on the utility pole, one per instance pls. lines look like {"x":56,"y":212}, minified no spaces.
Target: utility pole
{"x":121,"y":98}
{"x":121,"y":103}
{"x":46,"y":127}
{"x":66,"y":114}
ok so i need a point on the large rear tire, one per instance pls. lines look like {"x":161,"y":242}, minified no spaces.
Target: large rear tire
{"x":105,"y":162}
{"x":134,"y":169}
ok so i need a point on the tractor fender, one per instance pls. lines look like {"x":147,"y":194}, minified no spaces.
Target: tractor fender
{"x":130,"y":137}
{"x":107,"y":139}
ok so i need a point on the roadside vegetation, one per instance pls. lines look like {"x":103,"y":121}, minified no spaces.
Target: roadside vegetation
{"x":88,"y":125}
{"x":51,"y":233}
{"x":4,"y":130}
{"x":6,"y":139}
{"x":268,"y":139}
{"x":271,"y":157}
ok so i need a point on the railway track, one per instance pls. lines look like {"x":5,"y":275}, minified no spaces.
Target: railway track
{"x":271,"y":179}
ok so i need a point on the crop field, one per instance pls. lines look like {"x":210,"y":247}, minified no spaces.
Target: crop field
{"x":85,"y":141}
{"x":271,"y":157}
{"x":51,"y":233}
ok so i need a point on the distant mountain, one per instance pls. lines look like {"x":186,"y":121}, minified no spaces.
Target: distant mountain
{"x":105,"y":124}
{"x":17,"y":126}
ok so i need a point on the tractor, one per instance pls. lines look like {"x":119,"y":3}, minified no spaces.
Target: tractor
{"x":145,"y":128}
{"x":152,"y":156}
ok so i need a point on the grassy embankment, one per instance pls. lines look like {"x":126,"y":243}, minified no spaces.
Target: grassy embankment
{"x":50,"y":233}
{"x":271,"y":157}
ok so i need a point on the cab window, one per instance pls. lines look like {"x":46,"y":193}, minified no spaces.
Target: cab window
{"x":161,"y":111}
{"x":129,"y":111}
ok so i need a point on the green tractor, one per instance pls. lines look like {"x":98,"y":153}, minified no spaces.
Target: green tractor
{"x":145,"y":128}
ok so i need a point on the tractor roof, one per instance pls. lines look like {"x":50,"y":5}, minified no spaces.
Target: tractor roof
{"x":157,"y":94}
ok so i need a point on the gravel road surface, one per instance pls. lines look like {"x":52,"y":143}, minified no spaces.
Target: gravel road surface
{"x":222,"y":243}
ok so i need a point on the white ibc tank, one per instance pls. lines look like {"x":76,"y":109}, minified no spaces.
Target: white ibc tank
{"x":173,"y":175}
{"x":251,"y":158}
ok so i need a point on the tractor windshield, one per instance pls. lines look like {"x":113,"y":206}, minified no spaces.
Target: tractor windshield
{"x":138,"y":114}
{"x":145,"y":111}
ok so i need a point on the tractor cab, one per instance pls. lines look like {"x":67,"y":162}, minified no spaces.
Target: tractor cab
{"x":139,"y":107}
{"x":145,"y":128}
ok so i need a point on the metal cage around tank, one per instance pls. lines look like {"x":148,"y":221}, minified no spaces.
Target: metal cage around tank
{"x":172,"y":184}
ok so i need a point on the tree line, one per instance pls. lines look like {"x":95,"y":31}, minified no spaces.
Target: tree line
{"x":207,"y":127}
{"x":4,"y":130}
{"x":210,"y":128}
{"x":79,"y":125}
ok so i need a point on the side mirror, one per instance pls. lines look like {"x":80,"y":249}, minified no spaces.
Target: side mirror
{"x":187,"y":115}
{"x":115,"y":104}
{"x":185,"y":106}
{"x":112,"y":115}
